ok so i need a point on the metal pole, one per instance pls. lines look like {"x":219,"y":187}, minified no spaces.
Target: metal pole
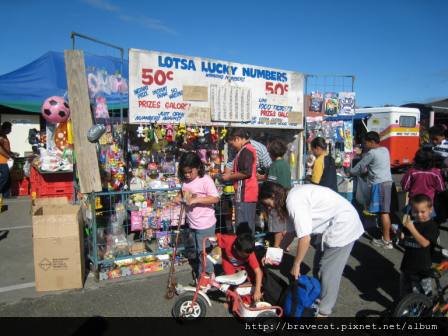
{"x":74,"y":34}
{"x":431,"y":118}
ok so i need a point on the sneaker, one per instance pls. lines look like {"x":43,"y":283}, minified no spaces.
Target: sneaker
{"x":383,"y":243}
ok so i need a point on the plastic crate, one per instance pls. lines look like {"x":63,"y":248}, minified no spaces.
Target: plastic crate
{"x":56,"y":188}
{"x":20,"y":187}
{"x":51,"y":184}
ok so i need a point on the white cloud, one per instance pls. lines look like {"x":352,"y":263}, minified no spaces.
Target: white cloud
{"x":102,"y":4}
{"x":144,"y":21}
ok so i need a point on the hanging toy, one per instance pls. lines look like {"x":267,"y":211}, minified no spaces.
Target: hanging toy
{"x":158,"y":133}
{"x":191,"y":134}
{"x":140,"y":131}
{"x":101,"y":110}
{"x":223,"y":134}
{"x":162,"y":132}
{"x":214,"y":135}
{"x":201,"y":136}
{"x":181,"y":132}
{"x":148,"y":134}
{"x":169,"y":133}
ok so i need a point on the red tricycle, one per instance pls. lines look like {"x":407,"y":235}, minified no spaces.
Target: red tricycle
{"x":192,"y":301}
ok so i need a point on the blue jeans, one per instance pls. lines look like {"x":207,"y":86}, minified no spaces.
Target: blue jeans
{"x":198,"y":240}
{"x":4,"y":179}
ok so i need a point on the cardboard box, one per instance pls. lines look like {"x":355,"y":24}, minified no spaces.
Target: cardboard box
{"x":58,"y":247}
{"x":40,"y":202}
{"x":58,"y":263}
{"x":57,"y":221}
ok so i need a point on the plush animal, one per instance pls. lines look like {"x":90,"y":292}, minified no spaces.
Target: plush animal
{"x":180,"y":133}
{"x":169,"y":133}
{"x":140,"y":131}
{"x":214,"y":135}
{"x":101,"y":110}
{"x":223,"y":134}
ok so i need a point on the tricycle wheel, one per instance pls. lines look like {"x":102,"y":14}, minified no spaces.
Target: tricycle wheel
{"x":184,"y":309}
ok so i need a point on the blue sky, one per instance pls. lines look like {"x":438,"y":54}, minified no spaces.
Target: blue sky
{"x":396,"y":49}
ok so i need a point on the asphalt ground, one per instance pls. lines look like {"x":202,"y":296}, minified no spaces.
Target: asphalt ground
{"x":369,"y":285}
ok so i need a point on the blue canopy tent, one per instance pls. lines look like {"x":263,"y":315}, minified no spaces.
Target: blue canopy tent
{"x":27,"y":87}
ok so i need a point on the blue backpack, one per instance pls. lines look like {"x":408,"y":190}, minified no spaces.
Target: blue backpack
{"x":300,"y":295}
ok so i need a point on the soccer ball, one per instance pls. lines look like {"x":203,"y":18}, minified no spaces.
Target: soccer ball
{"x":55,"y":110}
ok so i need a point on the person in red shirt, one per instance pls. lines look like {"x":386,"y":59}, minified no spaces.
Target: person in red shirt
{"x":238,"y":254}
{"x":244,"y":178}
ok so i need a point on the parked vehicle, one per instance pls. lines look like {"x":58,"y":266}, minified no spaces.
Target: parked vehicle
{"x":399,"y":130}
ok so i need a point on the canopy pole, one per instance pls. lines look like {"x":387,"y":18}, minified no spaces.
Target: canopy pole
{"x":74,"y":34}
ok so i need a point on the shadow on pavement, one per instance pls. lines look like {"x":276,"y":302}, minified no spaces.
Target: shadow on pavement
{"x":4,"y":234}
{"x":374,"y":272}
{"x":373,"y":313}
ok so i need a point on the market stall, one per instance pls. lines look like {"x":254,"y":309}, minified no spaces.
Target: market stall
{"x":176,"y":104}
{"x":330,"y":106}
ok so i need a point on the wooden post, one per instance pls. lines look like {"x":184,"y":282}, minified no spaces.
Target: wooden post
{"x":87,"y":166}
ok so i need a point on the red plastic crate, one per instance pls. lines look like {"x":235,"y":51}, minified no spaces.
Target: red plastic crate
{"x":52,"y":184}
{"x":20,"y":187}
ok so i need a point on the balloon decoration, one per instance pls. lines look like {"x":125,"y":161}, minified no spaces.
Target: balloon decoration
{"x":55,"y":110}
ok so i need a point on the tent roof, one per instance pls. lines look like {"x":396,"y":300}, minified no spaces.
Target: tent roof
{"x":27,"y":87}
{"x":439,"y":105}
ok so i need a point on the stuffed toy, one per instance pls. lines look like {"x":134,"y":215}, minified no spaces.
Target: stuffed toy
{"x":223,"y":134}
{"x":169,"y":133}
{"x":149,"y":134}
{"x":101,"y":110}
{"x":140,"y":131}
{"x":180,"y":134}
{"x":214,"y":135}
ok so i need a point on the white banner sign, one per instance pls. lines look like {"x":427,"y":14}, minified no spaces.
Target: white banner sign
{"x":168,"y":88}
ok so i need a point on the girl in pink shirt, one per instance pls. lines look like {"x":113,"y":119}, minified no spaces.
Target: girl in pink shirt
{"x":200,"y":194}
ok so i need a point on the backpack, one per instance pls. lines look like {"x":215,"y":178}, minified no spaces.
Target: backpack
{"x":301,"y":295}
